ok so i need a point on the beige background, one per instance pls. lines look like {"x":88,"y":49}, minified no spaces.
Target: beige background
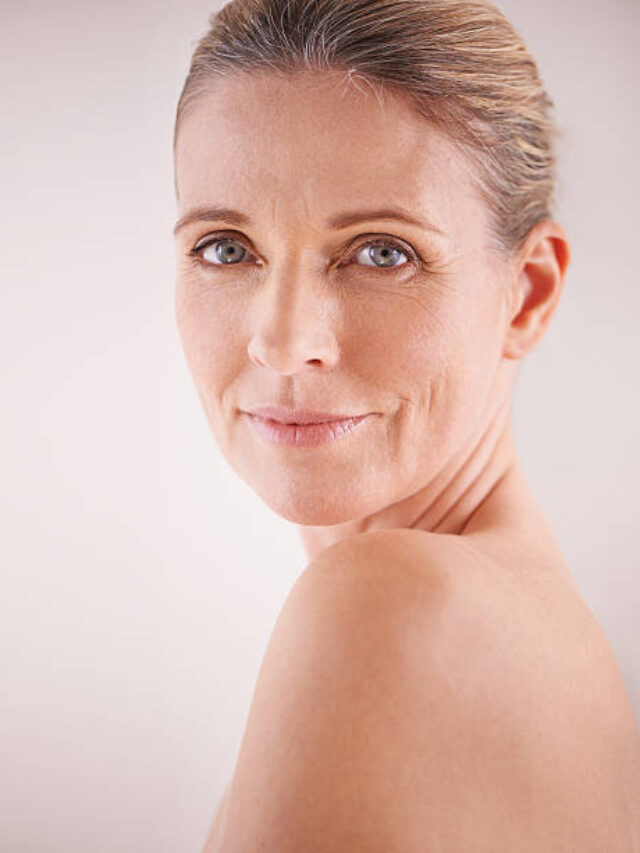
{"x":140,"y":576}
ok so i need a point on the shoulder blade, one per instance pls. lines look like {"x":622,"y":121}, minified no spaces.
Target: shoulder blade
{"x":393,"y":712}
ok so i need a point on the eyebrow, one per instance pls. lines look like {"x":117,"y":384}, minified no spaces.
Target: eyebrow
{"x":342,"y":220}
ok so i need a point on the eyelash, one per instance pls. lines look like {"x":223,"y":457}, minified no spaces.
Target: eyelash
{"x":413,"y":257}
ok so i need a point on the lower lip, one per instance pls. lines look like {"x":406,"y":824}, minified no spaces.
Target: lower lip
{"x":304,"y":435}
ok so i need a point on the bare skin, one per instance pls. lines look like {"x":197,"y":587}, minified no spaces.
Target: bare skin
{"x":550,"y":676}
{"x":306,"y":320}
{"x":584,"y":723}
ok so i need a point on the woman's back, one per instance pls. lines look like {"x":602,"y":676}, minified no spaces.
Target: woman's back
{"x":416,"y":696}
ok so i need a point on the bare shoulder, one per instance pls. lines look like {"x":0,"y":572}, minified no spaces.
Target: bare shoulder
{"x":410,"y":568}
{"x":407,"y":703}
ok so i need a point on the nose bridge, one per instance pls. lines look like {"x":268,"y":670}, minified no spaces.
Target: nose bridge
{"x":290,"y":322}
{"x":292,"y":292}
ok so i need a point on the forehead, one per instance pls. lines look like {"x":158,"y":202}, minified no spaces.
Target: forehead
{"x":317,"y":143}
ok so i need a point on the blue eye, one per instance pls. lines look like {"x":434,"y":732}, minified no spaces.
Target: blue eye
{"x":225,"y":250}
{"x":384,"y":250}
{"x":382,"y":253}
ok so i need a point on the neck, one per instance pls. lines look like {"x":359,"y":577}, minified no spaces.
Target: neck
{"x":480,"y":492}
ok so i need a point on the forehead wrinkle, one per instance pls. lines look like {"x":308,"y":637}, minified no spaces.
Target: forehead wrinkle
{"x":337,"y":172}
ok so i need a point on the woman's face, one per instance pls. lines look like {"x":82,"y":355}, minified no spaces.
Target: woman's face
{"x":369,"y":313}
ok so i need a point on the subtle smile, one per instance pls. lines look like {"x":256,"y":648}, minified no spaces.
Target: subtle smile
{"x":303,"y":435}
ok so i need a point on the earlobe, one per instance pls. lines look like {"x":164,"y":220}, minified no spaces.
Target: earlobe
{"x":539,"y":277}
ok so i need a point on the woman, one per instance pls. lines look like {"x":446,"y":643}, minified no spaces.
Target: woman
{"x":366,"y":254}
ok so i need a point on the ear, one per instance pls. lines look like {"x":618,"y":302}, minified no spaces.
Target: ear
{"x":540,"y":268}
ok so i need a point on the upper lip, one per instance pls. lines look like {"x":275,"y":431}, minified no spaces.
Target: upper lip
{"x":298,"y":416}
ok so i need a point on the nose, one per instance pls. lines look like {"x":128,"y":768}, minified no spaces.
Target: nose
{"x":291,"y":325}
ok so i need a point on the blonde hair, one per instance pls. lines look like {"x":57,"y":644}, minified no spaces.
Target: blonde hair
{"x":460,"y":62}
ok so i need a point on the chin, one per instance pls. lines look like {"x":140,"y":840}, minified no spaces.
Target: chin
{"x":315,"y":507}
{"x":314,"y":516}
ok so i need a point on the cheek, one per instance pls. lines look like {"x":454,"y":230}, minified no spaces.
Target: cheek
{"x":437,"y":354}
{"x":208,"y":325}
{"x":408,"y":338}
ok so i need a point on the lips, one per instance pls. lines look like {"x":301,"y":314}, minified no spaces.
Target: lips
{"x":309,"y":434}
{"x":300,"y":417}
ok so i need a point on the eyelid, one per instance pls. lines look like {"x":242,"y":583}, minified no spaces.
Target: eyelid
{"x":374,"y":238}
{"x":218,"y":235}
